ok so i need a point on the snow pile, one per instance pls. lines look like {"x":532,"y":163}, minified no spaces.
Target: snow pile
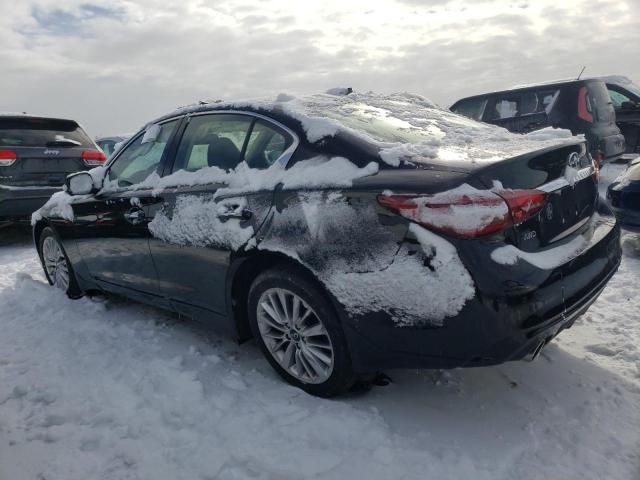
{"x":201,"y":221}
{"x":318,"y":172}
{"x":58,"y":206}
{"x":416,"y":289}
{"x":551,"y":133}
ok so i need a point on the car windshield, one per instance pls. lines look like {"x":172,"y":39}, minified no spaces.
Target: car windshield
{"x":41,"y":132}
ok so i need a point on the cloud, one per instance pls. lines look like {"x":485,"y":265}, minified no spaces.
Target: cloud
{"x":115,"y":66}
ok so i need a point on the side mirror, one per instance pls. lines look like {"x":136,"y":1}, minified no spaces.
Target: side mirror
{"x":79,"y":183}
{"x":628,"y":106}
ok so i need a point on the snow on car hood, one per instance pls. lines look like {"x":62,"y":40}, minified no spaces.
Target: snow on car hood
{"x":406,"y":127}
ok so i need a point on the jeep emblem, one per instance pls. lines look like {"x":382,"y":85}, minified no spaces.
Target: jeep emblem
{"x":52,"y":152}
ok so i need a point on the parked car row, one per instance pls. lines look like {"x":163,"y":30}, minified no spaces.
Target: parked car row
{"x":347,"y":233}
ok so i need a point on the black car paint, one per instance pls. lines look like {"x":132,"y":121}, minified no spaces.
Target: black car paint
{"x":601,"y":136}
{"x":516,"y":308}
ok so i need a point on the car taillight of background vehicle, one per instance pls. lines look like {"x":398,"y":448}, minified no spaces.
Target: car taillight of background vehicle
{"x":584,"y":108}
{"x":468,"y":215}
{"x":93,"y":158}
{"x":7,"y":158}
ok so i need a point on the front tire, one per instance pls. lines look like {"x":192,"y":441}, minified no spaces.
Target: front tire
{"x":56,"y":264}
{"x":299,"y":333}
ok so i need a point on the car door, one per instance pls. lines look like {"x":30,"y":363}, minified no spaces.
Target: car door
{"x":197,"y":229}
{"x":111,"y":227}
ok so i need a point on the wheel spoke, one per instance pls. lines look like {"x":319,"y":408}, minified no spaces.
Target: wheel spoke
{"x":272,"y":318}
{"x":278,"y":315}
{"x":319,"y":354}
{"x":317,"y":329}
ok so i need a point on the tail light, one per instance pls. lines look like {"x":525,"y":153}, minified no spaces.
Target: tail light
{"x":584,"y":111}
{"x":7,"y":158}
{"x":93,"y":158}
{"x":468,"y":215}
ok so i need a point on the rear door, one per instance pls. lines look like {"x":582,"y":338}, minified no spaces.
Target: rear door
{"x":197,"y":229}
{"x":47,"y":150}
{"x":111,"y":228}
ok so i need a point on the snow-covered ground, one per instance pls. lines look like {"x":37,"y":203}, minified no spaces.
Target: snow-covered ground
{"x":101,"y":388}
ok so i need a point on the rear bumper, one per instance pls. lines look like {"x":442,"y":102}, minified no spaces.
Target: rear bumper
{"x":507,"y":320}
{"x":18,"y":203}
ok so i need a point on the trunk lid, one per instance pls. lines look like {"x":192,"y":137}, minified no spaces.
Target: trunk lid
{"x":566,"y":175}
{"x":36,"y":166}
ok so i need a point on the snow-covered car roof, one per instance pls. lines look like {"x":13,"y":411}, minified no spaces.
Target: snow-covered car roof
{"x":404,"y":126}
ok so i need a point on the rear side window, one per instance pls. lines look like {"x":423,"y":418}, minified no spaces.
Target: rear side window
{"x":265,"y":145}
{"x":42,"y":132}
{"x":472,"y":108}
{"x":524,"y":103}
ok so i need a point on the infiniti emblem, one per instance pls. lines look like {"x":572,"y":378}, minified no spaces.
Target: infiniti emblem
{"x":549,"y":211}
{"x":573,"y":160}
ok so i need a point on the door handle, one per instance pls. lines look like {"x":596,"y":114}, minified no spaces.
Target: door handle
{"x":239,"y":213}
{"x":135,"y":217}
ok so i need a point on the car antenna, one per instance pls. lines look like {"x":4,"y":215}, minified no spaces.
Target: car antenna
{"x":581,"y":72}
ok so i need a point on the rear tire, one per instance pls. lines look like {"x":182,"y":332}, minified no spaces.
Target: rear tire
{"x":299,"y":333}
{"x":56,"y":264}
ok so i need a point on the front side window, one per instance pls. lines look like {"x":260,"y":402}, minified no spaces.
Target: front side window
{"x":142,"y":157}
{"x":473,"y":108}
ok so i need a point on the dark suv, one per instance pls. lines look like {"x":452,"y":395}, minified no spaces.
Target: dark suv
{"x":36,"y":154}
{"x":581,"y":106}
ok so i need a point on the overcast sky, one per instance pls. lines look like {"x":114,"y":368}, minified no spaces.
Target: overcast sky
{"x":115,"y":65}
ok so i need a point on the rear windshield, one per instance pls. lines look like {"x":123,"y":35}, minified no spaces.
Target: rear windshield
{"x":41,"y":132}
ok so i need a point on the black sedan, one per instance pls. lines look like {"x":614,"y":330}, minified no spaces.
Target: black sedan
{"x":346,"y":233}
{"x":623,"y":196}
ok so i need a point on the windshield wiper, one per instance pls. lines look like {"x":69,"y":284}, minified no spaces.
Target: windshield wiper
{"x":63,"y":143}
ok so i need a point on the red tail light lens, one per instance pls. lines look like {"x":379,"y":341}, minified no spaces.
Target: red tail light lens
{"x":7,"y":158}
{"x":468,"y":215}
{"x":93,"y":158}
{"x":583,"y":106}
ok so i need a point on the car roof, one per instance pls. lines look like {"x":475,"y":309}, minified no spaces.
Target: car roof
{"x":532,"y":87}
{"x":18,"y":115}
